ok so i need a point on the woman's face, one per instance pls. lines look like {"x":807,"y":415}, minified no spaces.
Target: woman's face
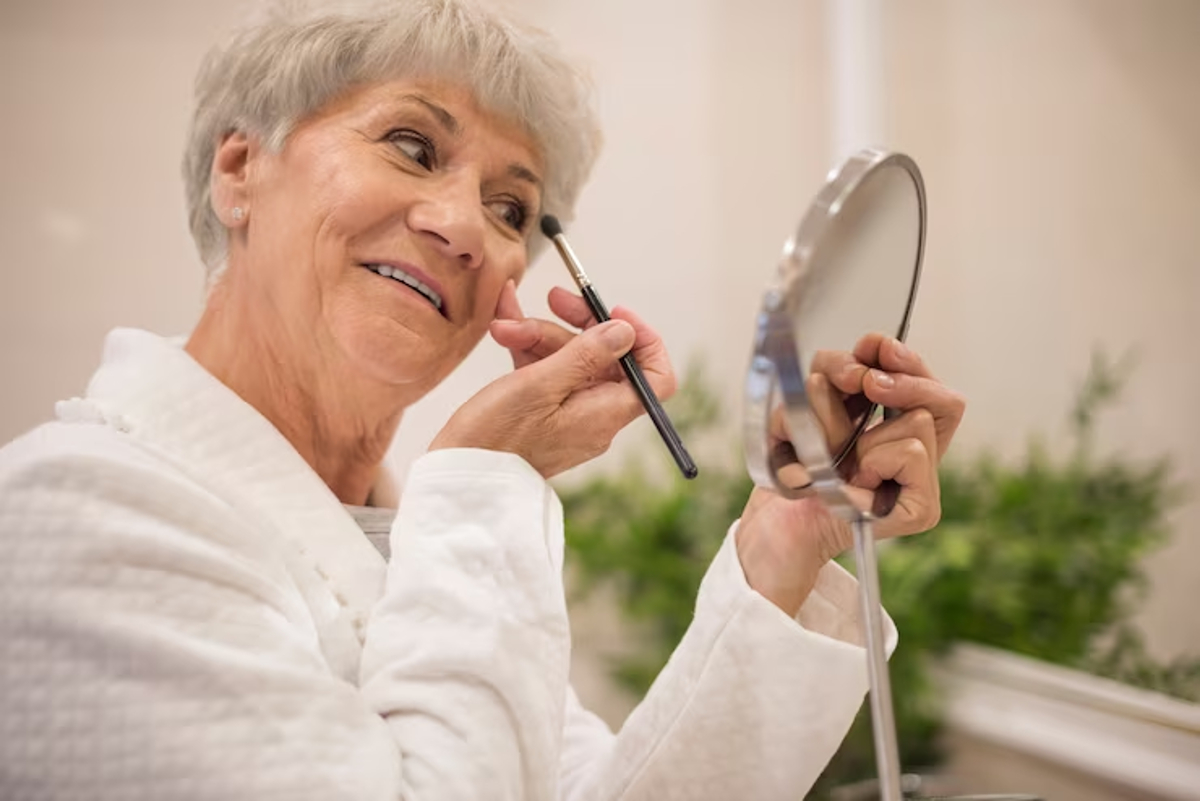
{"x":383,"y":232}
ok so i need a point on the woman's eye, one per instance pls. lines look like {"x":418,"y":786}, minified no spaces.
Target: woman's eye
{"x":415,"y":146}
{"x":511,"y":211}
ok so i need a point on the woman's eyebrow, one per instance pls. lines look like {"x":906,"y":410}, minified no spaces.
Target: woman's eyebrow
{"x":445,"y":118}
{"x":454,"y":128}
{"x":523,"y":173}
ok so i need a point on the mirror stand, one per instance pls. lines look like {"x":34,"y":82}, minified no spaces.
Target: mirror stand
{"x":883,"y":721}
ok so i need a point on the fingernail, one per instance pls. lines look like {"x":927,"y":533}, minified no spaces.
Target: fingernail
{"x":882,"y":379}
{"x":900,"y":348}
{"x":853,"y":370}
{"x":617,"y":335}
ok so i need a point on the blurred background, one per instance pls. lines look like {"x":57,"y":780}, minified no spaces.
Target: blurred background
{"x":1058,"y":139}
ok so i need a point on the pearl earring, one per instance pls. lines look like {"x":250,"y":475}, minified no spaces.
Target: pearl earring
{"x":237,"y":213}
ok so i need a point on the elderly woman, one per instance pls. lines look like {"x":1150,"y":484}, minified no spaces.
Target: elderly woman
{"x":189,"y":609}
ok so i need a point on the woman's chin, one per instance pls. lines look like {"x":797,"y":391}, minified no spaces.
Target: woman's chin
{"x":400,"y":358}
{"x":403,"y":350}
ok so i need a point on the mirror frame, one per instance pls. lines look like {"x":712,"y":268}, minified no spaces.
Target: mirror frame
{"x":776,"y":368}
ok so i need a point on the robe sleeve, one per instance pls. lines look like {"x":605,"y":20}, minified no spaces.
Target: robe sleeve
{"x":155,"y":645}
{"x":752,"y":704}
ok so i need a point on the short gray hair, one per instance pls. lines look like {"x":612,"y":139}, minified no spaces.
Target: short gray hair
{"x":273,"y":74}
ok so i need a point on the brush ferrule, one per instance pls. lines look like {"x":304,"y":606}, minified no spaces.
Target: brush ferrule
{"x":568,"y":257}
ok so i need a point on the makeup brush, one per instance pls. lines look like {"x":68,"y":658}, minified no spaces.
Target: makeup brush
{"x":554,"y":232}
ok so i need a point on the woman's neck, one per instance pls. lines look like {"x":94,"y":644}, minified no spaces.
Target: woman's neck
{"x":342,"y":425}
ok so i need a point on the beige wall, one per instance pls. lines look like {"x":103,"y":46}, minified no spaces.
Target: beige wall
{"x":1058,"y":140}
{"x":1054,"y":136}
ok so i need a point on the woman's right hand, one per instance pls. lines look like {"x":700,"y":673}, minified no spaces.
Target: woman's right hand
{"x":568,"y":397}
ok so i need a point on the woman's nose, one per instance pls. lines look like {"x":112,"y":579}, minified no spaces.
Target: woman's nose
{"x":451,"y":213}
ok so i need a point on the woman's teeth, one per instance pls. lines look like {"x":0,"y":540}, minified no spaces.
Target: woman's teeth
{"x":404,"y":278}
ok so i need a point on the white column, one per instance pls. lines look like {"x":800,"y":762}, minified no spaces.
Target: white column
{"x":856,"y":50}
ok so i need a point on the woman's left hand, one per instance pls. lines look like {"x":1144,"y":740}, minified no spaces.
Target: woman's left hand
{"x":783,"y":544}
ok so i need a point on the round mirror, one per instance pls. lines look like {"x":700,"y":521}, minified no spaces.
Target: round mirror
{"x":848,"y":277}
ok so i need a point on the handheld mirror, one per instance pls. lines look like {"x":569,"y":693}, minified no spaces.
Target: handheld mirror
{"x":850,"y":271}
{"x":848,"y":277}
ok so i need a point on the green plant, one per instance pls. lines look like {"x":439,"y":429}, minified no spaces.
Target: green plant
{"x":1041,"y":557}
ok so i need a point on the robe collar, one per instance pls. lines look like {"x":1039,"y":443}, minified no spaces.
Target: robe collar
{"x":153,"y":389}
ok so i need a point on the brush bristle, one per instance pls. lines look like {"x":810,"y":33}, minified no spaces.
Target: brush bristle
{"x":551,"y":226}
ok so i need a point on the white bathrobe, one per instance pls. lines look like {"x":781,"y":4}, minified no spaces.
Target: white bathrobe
{"x":187,"y":612}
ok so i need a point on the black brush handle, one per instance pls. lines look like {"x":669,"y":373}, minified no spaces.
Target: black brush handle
{"x":645,"y":393}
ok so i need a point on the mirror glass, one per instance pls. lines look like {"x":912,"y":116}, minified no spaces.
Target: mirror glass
{"x":849,"y":271}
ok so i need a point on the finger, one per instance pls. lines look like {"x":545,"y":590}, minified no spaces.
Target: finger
{"x":778,"y":427}
{"x":905,"y":392}
{"x":866,"y":350}
{"x":615,"y":402}
{"x":914,"y":424}
{"x":843,"y":369}
{"x":830,"y":408}
{"x":506,"y":328}
{"x":531,"y":339}
{"x":794,"y":476}
{"x":906,"y":461}
{"x":571,"y":308}
{"x":514,"y":334}
{"x":650,"y":352}
{"x":844,"y":375}
{"x":894,"y":356}
{"x":583,"y":361}
{"x":507,"y":306}
{"x":784,"y":459}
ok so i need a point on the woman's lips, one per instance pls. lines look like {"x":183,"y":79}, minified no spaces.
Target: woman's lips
{"x":412,"y":278}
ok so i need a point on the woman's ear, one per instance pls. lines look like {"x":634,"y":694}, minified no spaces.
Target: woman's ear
{"x":230,"y":187}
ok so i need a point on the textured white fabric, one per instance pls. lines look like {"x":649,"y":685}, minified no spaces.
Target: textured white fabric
{"x":187,"y":612}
